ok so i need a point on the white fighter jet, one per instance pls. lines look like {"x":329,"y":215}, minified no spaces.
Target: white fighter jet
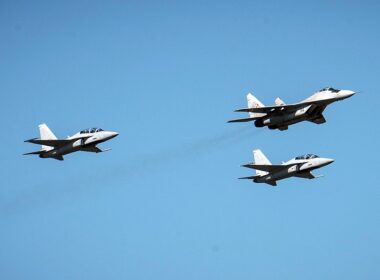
{"x":281,"y":115}
{"x":86,"y":141}
{"x":300,"y":166}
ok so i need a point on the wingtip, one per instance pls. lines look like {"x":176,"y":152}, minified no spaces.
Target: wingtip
{"x":30,"y":140}
{"x":244,"y":110}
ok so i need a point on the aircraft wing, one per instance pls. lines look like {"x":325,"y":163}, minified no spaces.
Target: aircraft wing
{"x":268,"y":167}
{"x":244,"y":120}
{"x":265,"y":167}
{"x":93,"y":149}
{"x":282,"y":108}
{"x":34,"y":153}
{"x":271,"y":109}
{"x":53,"y":142}
{"x":250,"y":177}
{"x":307,"y":175}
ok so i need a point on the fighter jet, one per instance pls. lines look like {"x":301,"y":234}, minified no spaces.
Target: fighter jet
{"x":280,"y":116}
{"x":300,"y":166}
{"x":86,"y":141}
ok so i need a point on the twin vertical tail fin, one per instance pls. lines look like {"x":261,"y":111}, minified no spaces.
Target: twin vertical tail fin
{"x":46,"y":134}
{"x":253,"y":102}
{"x":279,"y":102}
{"x":261,"y":159}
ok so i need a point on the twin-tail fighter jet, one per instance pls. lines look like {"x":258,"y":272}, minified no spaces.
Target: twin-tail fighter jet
{"x":300,"y":166}
{"x":86,"y":141}
{"x":281,"y":115}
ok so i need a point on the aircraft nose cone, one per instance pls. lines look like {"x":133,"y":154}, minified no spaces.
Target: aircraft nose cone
{"x":112,"y":134}
{"x":328,"y":161}
{"x":347,"y":93}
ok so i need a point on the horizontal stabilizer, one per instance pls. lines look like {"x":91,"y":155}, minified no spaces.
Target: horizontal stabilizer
{"x":244,"y":120}
{"x":34,"y":153}
{"x":49,"y":142}
{"x":53,"y":142}
{"x":250,"y":177}
{"x":266,"y":167}
{"x":248,"y":110}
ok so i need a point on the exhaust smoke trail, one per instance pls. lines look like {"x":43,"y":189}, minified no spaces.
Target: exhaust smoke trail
{"x":45,"y":193}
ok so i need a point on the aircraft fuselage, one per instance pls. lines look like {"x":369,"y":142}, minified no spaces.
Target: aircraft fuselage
{"x":294,"y":170}
{"x":80,"y":144}
{"x":281,"y":115}
{"x":279,"y":121}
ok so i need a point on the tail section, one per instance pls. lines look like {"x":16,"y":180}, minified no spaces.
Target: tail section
{"x":260,"y":158}
{"x":253,"y":102}
{"x":46,"y":134}
{"x":279,"y":102}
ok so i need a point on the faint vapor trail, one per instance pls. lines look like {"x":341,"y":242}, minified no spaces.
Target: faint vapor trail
{"x":145,"y":164}
{"x":45,"y":193}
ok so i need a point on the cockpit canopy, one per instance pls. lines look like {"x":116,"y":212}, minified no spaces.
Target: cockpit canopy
{"x":308,"y":156}
{"x":91,"y":130}
{"x":329,"y":89}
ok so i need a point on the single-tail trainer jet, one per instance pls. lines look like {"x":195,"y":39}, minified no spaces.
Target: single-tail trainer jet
{"x":300,"y":166}
{"x":86,"y":141}
{"x":281,"y":115}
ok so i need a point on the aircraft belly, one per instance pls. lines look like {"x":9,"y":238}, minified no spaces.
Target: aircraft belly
{"x":284,"y":120}
{"x":73,"y":147}
{"x":283,"y":174}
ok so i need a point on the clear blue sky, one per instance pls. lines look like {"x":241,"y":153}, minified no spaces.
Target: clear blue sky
{"x":165,"y":202}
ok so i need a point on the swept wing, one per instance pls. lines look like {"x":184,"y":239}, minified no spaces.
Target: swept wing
{"x":93,"y":149}
{"x":250,"y":177}
{"x":244,"y":120}
{"x":54,"y":142}
{"x":34,"y":153}
{"x":307,"y":175}
{"x":269,"y":167}
{"x":281,"y":108}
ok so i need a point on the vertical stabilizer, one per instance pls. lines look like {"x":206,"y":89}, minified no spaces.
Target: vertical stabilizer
{"x":253,"y":102}
{"x":279,"y":102}
{"x":260,"y":158}
{"x":46,"y":134}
